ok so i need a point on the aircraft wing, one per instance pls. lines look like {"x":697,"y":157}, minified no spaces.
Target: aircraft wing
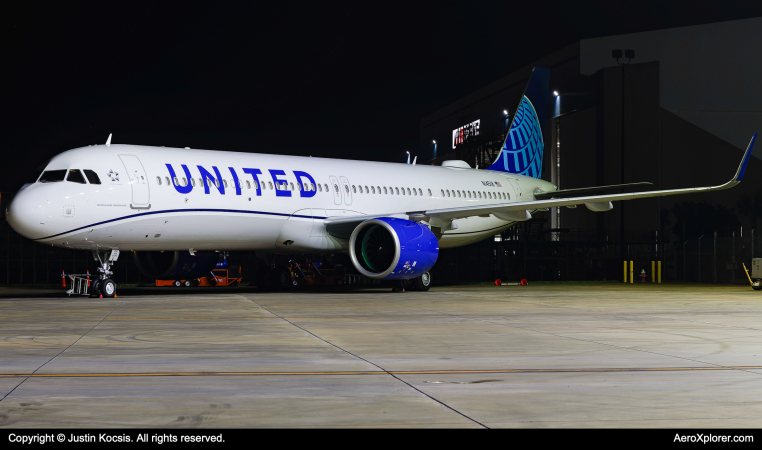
{"x":518,"y":211}
{"x":593,"y":201}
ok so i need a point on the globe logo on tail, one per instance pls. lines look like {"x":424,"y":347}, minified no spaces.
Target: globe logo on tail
{"x":522,"y":151}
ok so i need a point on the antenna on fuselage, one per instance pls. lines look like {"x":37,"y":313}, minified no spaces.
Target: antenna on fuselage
{"x":108,"y":141}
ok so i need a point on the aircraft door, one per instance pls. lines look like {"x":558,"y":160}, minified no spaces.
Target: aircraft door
{"x":347,"y":190}
{"x":138,"y":181}
{"x":516,"y":187}
{"x":336,"y":190}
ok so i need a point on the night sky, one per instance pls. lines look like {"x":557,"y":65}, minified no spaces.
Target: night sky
{"x":335,"y":80}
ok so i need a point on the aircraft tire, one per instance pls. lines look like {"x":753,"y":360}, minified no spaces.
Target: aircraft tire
{"x":756,"y":288}
{"x":108,"y":288}
{"x":422,"y":283}
{"x":95,"y":288}
{"x":281,"y":279}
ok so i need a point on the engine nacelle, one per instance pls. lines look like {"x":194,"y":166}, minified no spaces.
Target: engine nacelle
{"x":175,"y":265}
{"x":393,"y":249}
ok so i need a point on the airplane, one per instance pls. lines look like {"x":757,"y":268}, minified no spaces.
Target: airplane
{"x":176,"y":208}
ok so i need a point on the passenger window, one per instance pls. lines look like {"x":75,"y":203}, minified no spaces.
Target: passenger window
{"x":403,"y":191}
{"x":397,"y":191}
{"x":269,"y":185}
{"x":320,"y":188}
{"x":480,"y":195}
{"x":415,"y":192}
{"x":217,"y":184}
{"x":92,"y":177}
{"x":225,"y":182}
{"x":167,"y":180}
{"x":50,"y":176}
{"x":193,"y":182}
{"x":429,"y":192}
{"x":75,"y":176}
{"x":509,"y":195}
{"x":420,"y":192}
{"x":385,"y":190}
{"x":408,"y":191}
{"x":379,"y":189}
{"x":367,"y":191}
{"x":353,"y":189}
{"x":175,"y":180}
{"x":158,"y":181}
{"x":373,"y":189}
{"x":185,"y":182}
{"x":336,"y":188}
{"x":443,"y":193}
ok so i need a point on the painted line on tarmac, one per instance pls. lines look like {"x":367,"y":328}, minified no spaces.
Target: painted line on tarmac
{"x":373,"y":372}
{"x":359,"y":316}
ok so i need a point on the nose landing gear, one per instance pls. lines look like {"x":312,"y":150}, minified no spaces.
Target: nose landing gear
{"x":104,"y":285}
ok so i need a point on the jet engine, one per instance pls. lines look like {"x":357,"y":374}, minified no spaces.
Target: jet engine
{"x":393,"y":249}
{"x":175,"y":265}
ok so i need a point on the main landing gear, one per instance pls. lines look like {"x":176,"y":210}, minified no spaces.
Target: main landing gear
{"x":422,"y":283}
{"x":104,"y":285}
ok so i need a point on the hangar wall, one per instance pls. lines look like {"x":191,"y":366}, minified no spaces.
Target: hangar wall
{"x":690,"y":102}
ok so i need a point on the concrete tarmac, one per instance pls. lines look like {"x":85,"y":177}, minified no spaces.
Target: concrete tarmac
{"x":544,"y":355}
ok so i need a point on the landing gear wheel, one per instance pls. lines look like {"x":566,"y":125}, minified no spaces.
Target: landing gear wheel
{"x":281,"y":278}
{"x":108,"y":288}
{"x":422,"y":283}
{"x":95,"y":288}
{"x":187,"y":283}
{"x":756,"y":287}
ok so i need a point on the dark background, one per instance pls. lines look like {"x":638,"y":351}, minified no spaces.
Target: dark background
{"x":335,"y":80}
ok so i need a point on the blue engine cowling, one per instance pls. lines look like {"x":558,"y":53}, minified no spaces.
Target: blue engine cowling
{"x":393,"y":249}
{"x":175,"y":265}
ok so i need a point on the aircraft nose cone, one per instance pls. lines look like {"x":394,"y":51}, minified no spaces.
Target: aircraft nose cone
{"x":27,"y":213}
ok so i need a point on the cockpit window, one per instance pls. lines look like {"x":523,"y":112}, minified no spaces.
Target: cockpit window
{"x":50,"y":176}
{"x":75,"y":176}
{"x":92,"y":177}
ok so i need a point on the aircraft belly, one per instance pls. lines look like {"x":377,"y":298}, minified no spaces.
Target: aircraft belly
{"x":201,"y":231}
{"x":472,"y":229}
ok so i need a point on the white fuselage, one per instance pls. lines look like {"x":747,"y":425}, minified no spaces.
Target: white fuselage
{"x":134,"y":208}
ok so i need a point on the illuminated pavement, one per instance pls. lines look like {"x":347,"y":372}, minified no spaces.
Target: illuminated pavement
{"x":553,"y":355}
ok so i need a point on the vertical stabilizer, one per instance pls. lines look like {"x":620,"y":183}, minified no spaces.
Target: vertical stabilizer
{"x":523,"y":146}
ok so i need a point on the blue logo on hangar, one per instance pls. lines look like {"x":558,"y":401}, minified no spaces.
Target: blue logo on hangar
{"x":215,"y":179}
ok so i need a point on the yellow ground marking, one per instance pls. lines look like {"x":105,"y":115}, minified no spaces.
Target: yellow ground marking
{"x":375,"y":372}
{"x":453,"y":315}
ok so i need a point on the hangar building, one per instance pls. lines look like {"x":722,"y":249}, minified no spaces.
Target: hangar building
{"x":678,"y":114}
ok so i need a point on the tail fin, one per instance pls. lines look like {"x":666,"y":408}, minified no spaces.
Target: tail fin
{"x":522,"y":149}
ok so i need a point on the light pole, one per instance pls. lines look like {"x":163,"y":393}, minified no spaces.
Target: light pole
{"x":629,"y":55}
{"x":435,"y":148}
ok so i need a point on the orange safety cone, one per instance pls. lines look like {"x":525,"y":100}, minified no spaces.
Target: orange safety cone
{"x":498,"y":282}
{"x":524,"y":282}
{"x":63,"y":279}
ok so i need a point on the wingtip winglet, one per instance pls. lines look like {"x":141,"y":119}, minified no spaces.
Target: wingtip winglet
{"x":745,"y":161}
